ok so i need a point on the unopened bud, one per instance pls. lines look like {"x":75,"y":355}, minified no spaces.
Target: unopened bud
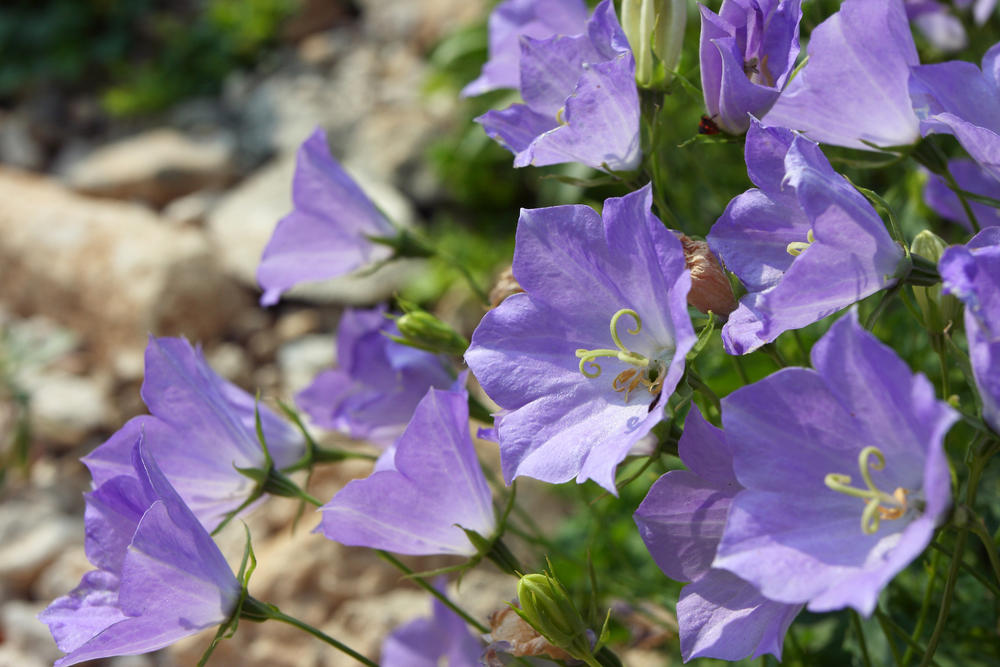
{"x":420,"y":329}
{"x":655,"y":31}
{"x":710,"y":288}
{"x":505,"y":286}
{"x":938,"y":310}
{"x":547,"y":607}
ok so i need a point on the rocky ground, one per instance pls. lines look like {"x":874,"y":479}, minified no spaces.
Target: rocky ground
{"x":111,"y":231}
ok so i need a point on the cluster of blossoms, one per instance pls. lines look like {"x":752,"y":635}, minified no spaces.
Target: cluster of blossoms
{"x":810,"y":488}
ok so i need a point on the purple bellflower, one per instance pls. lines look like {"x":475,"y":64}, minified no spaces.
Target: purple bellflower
{"x":329,"y":232}
{"x":425,"y":641}
{"x":379,"y":382}
{"x":537,"y":19}
{"x":971,"y":178}
{"x":748,"y":50}
{"x":972,"y":273}
{"x":201,"y":427}
{"x":855,"y":479}
{"x":935,"y":22}
{"x":957,"y":98}
{"x":804,"y":242}
{"x":580,"y":100}
{"x":854,"y":87}
{"x":160,"y":576}
{"x":423,"y":492}
{"x":681,"y":521}
{"x":574,"y":406}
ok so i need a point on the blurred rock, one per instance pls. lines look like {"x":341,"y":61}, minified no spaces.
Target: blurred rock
{"x":32,"y":535}
{"x":230,"y":361}
{"x":295,"y":324}
{"x":419,"y":23}
{"x":18,"y":147}
{"x":191,"y":209}
{"x":64,"y":408}
{"x":302,"y":359}
{"x":27,"y":642}
{"x":155,"y":167}
{"x":109,"y":270}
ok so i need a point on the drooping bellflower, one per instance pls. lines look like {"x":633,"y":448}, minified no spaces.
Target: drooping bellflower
{"x":804,"y":242}
{"x":580,"y":100}
{"x":748,"y":50}
{"x":854,"y":87}
{"x":160,"y":576}
{"x":972,"y":273}
{"x":378,"y":382}
{"x":423,"y":493}
{"x":958,"y":98}
{"x":200,"y":429}
{"x":972,"y":178}
{"x":681,"y":521}
{"x":583,"y":361}
{"x":537,"y":19}
{"x":328,"y":233}
{"x":424,"y":642}
{"x":855,"y":479}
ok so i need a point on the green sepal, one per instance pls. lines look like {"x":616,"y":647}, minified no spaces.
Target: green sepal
{"x":704,"y":336}
{"x":247,"y":566}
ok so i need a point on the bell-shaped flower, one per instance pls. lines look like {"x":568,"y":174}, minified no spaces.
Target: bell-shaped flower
{"x":972,"y":178}
{"x":853,"y":89}
{"x":844,"y":472}
{"x":200,"y":430}
{"x":748,"y":50}
{"x":972,"y":273}
{"x":425,"y":492}
{"x":958,"y":98}
{"x":537,"y":19}
{"x":583,"y":360}
{"x":804,"y":242}
{"x":580,"y":100}
{"x":329,"y":233}
{"x":372,"y":393}
{"x":937,"y":24}
{"x":681,"y":521}
{"x":160,"y":576}
{"x":425,"y":641}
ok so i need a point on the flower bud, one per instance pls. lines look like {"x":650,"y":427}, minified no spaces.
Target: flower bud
{"x":420,"y":329}
{"x":655,"y":31}
{"x":547,"y":607}
{"x":938,"y":310}
{"x":710,"y":288}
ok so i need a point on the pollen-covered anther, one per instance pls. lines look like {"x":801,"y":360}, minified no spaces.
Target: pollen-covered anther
{"x":627,"y":381}
{"x":898,"y":511}
{"x":878,"y":504}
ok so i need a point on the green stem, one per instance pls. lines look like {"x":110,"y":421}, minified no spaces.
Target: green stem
{"x":856,"y":623}
{"x":925,"y":606}
{"x":979,"y":529}
{"x":953,"y":184}
{"x":395,"y":562}
{"x":742,"y":372}
{"x":883,"y":302}
{"x":949,"y":590}
{"x":975,"y":472}
{"x":883,"y":623}
{"x":257,"y":611}
{"x":967,"y":569}
{"x":911,"y":644}
{"x":699,"y":385}
{"x":937,"y":342}
{"x":772,"y":351}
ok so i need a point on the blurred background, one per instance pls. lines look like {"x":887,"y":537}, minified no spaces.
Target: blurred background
{"x":146,"y":153}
